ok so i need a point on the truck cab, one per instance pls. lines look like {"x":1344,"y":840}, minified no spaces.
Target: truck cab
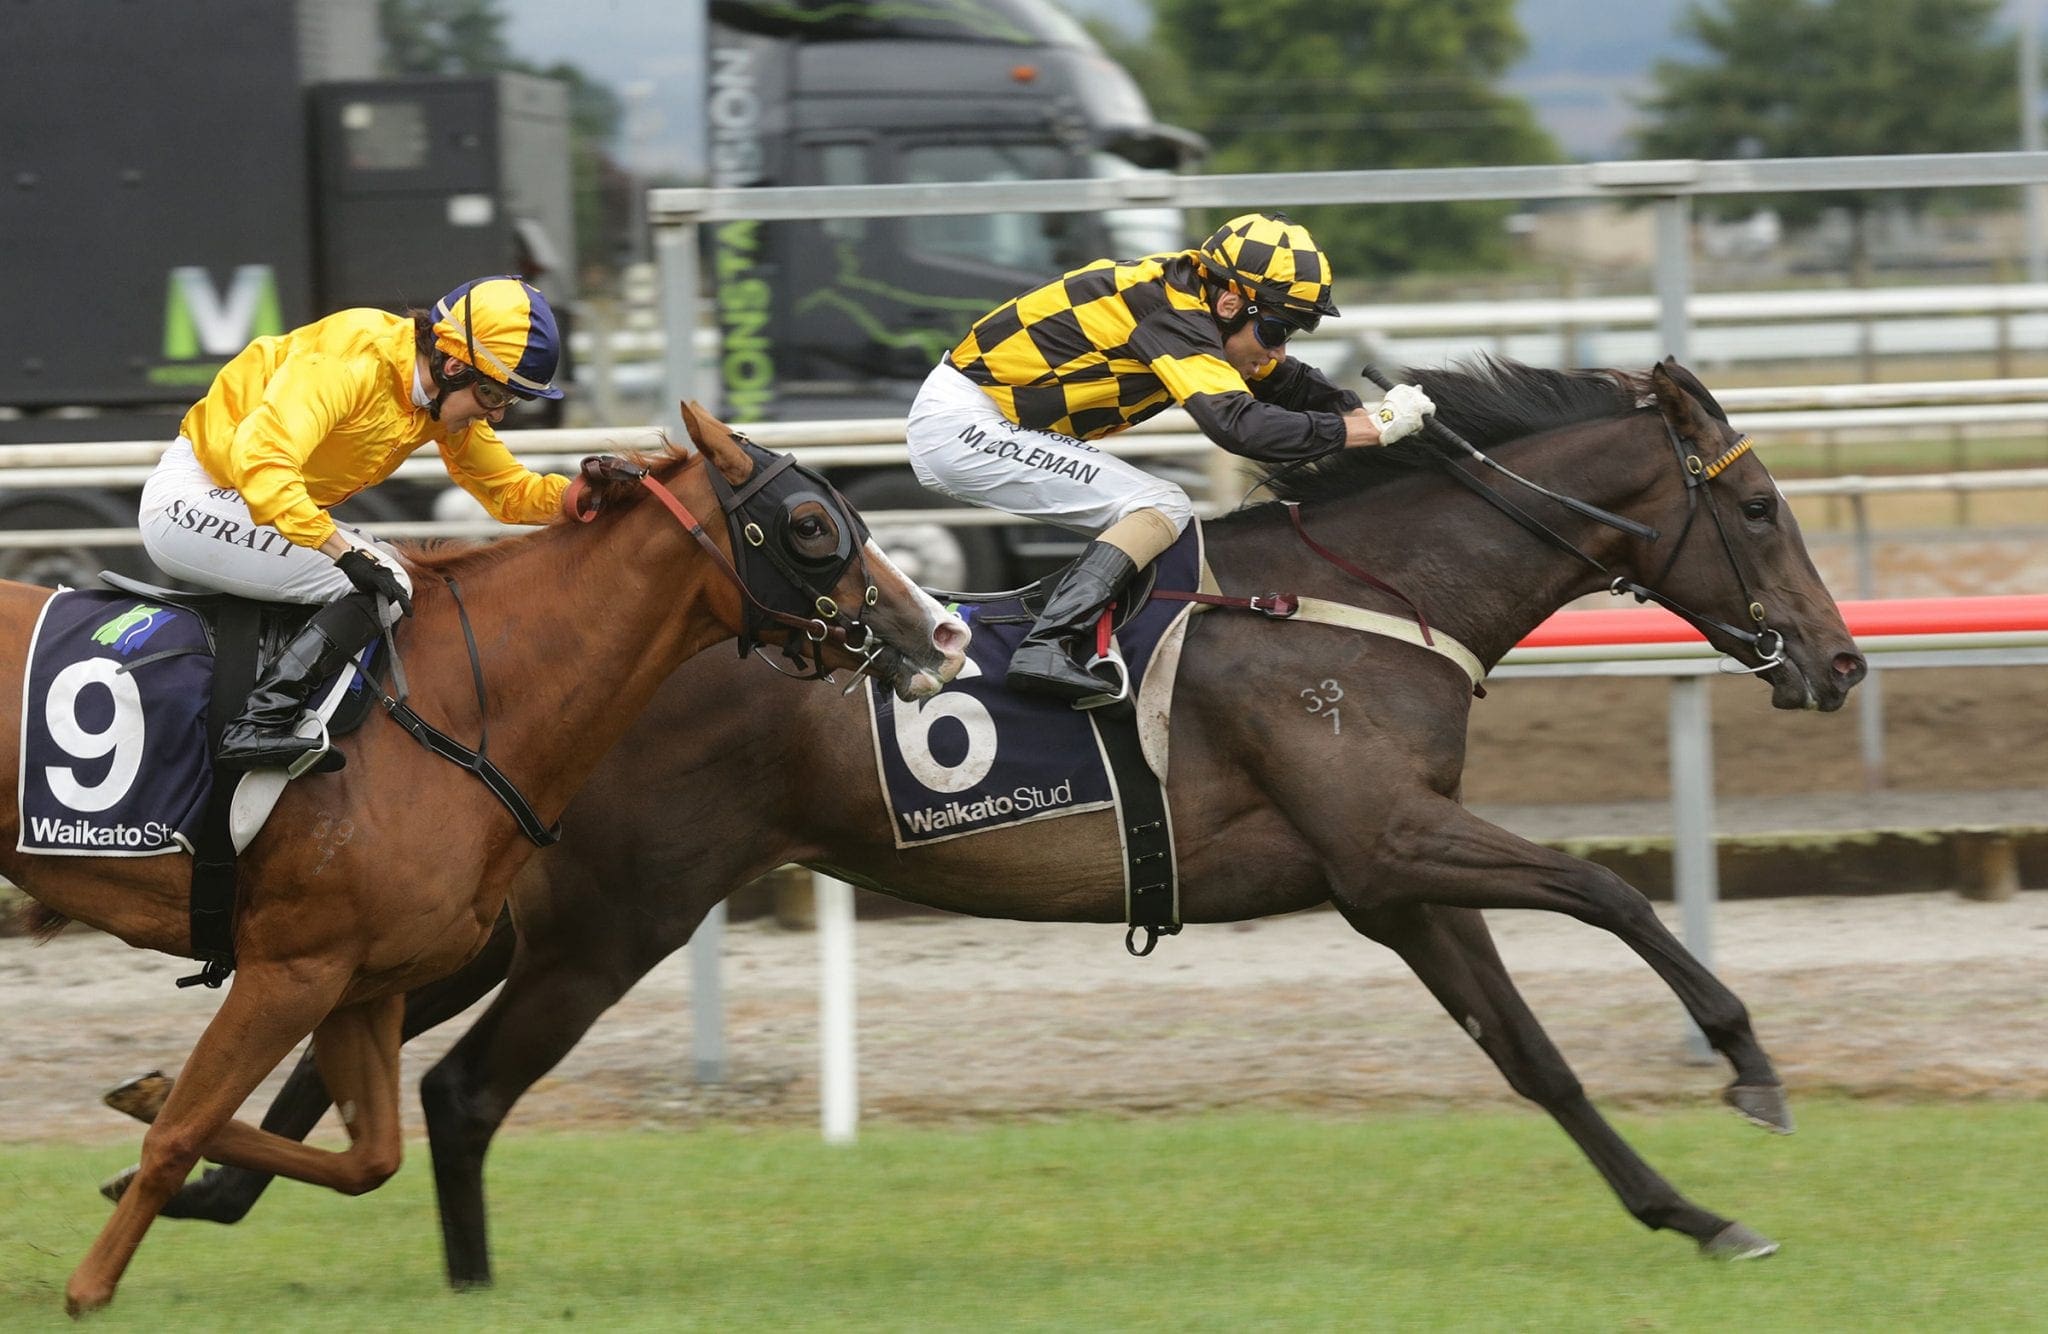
{"x":844,"y":317}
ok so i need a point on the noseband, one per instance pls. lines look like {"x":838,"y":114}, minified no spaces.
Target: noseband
{"x":769,"y":573}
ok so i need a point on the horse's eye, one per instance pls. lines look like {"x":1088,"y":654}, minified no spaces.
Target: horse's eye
{"x":1758,"y":510}
{"x":810,"y":528}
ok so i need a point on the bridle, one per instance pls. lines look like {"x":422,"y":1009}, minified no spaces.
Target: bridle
{"x":769,"y":572}
{"x":1766,"y":643}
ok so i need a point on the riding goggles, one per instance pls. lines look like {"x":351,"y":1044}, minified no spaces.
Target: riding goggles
{"x":1273,"y":331}
{"x":490,"y":395}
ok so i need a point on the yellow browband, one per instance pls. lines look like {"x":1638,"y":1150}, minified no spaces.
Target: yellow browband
{"x":1714,"y":469}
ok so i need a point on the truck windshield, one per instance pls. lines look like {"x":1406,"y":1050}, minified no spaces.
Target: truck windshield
{"x":1024,"y":241}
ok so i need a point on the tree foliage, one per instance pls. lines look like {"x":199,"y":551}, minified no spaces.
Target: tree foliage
{"x":466,"y":37}
{"x":1813,"y":78}
{"x":1322,"y":85}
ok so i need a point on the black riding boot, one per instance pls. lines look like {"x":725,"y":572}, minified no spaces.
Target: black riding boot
{"x":1044,"y":663}
{"x":263,"y":737}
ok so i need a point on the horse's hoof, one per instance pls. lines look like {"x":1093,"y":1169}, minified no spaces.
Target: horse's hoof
{"x":1763,"y":1104}
{"x":141,"y":1097}
{"x":79,"y":1302}
{"x":114,"y":1187}
{"x":1738,"y":1241}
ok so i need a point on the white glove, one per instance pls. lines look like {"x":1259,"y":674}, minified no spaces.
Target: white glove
{"x":1400,"y":413}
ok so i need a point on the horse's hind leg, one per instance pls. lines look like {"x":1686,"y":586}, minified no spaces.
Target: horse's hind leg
{"x":266,"y":1012}
{"x":1452,"y":952}
{"x":226,"y":1194}
{"x":566,"y":973}
{"x":1430,"y":849}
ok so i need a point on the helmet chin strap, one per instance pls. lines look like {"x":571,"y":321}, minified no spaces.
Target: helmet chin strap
{"x":444,"y":384}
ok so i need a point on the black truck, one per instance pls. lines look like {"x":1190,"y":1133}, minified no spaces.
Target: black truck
{"x":844,"y":318}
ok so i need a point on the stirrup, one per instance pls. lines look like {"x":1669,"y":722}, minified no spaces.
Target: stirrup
{"x":319,"y":752}
{"x":1113,"y":659}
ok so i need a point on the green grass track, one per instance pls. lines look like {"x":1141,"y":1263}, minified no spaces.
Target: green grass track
{"x":1899,"y":1216}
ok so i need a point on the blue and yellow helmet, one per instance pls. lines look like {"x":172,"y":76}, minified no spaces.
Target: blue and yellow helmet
{"x":503,"y":328}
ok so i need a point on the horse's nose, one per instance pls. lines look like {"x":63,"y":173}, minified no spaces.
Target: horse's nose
{"x":1849,"y":669}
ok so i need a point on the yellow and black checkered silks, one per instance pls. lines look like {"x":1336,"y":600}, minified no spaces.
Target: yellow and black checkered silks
{"x":1271,"y":258}
{"x":1104,"y":347}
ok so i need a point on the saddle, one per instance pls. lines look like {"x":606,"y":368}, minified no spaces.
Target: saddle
{"x":243,"y":633}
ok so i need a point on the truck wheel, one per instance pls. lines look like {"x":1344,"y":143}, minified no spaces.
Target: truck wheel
{"x":75,"y":565}
{"x":932,"y":555}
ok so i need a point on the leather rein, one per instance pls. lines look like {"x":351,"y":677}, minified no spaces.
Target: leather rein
{"x":1768,"y":644}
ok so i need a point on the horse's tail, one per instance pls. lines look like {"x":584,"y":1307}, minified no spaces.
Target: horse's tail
{"x":43,"y":923}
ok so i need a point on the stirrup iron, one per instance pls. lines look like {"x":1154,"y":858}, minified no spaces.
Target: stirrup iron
{"x":1114,"y":659}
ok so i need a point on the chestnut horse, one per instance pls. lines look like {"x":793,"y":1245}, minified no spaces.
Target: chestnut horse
{"x":577,"y":625}
{"x":1275,"y":811}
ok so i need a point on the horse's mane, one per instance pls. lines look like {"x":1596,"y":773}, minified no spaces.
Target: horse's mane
{"x":451,"y":556}
{"x":1489,"y":402}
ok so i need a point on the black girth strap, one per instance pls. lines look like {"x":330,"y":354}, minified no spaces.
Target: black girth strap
{"x":213,"y":847}
{"x":1151,"y":881}
{"x":448,"y":748}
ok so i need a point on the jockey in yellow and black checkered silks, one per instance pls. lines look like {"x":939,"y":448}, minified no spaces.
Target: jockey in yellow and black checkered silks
{"x":1003,"y":420}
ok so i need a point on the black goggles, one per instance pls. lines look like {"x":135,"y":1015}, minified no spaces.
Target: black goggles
{"x":1273,"y":331}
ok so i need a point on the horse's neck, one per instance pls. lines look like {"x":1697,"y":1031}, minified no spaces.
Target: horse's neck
{"x":1475,"y":573}
{"x":576,"y":630}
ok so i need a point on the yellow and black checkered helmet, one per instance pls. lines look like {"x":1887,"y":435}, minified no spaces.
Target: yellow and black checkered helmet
{"x":1274,"y":263}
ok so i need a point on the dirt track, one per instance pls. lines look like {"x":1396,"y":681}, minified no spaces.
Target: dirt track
{"x":1916,"y":995}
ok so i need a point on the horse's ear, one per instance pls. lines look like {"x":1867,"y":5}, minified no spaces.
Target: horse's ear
{"x":1687,"y":417}
{"x":716,"y":443}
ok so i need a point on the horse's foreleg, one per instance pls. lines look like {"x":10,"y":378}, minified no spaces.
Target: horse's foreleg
{"x":356,"y":1049}
{"x":266,"y":1012}
{"x":1432,"y":850}
{"x":226,"y":1194}
{"x":1453,"y":954}
{"x":562,"y":979}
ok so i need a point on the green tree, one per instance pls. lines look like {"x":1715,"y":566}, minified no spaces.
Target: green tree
{"x":1818,"y":78}
{"x":1326,"y":85}
{"x":462,"y":37}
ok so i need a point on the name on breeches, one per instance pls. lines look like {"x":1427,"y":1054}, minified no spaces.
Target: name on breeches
{"x":227,"y":530}
{"x":1031,"y":456}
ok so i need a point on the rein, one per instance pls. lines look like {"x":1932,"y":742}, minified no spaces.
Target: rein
{"x":447,"y":747}
{"x":1766,"y":643}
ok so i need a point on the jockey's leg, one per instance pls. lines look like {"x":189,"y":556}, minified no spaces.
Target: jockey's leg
{"x":1046,"y":662}
{"x":263,"y":736}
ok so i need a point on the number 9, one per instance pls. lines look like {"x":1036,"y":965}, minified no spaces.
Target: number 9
{"x":122,"y":737}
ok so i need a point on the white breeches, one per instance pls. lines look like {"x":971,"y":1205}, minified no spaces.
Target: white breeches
{"x":200,"y":531}
{"x":962,"y":446}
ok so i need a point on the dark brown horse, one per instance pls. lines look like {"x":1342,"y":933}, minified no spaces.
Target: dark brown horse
{"x":1274,"y":810}
{"x":577,"y":624}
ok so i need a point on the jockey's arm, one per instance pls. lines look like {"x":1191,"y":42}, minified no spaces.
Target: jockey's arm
{"x":480,"y":464}
{"x":1180,"y":347}
{"x":301,"y":404}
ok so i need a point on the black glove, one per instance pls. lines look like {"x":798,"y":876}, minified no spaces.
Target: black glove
{"x":610,"y":468}
{"x":371,"y":575}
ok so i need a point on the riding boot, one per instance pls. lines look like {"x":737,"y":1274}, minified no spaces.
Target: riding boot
{"x":263,"y":737}
{"x":1044,"y":663}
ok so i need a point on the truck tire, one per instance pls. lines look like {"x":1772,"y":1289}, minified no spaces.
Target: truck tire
{"x":74,"y":565}
{"x":933,"y":555}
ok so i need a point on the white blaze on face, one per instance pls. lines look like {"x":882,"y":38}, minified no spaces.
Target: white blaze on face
{"x":944,"y":631}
